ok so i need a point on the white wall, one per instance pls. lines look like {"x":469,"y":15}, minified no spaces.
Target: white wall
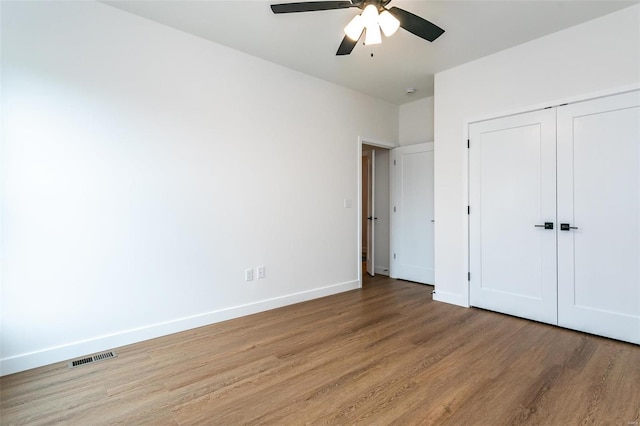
{"x":590,"y":58}
{"x":143,"y":169}
{"x":416,"y":122}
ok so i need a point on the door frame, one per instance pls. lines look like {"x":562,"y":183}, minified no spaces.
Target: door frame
{"x":364,"y":140}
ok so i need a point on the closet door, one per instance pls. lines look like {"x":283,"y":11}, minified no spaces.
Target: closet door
{"x":599,"y":198}
{"x":412,"y":213}
{"x":512,"y":170}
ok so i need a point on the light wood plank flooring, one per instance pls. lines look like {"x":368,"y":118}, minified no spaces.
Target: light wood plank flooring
{"x":386,"y":354}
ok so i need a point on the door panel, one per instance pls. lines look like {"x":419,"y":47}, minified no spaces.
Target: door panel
{"x":371,"y":214}
{"x":412,"y":221}
{"x":512,"y":188}
{"x":599,"y":193}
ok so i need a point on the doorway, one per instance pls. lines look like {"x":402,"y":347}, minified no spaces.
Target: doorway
{"x":374,"y":220}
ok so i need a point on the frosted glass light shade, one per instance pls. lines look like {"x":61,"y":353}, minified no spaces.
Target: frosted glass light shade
{"x":370,"y":16}
{"x":388,"y":23}
{"x":373,"y":35}
{"x":353,"y":30}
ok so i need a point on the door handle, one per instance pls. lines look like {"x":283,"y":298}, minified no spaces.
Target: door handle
{"x":567,"y":227}
{"x":372,"y":218}
{"x":547,"y":225}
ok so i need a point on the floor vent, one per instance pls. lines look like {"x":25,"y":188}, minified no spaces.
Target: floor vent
{"x":88,"y":360}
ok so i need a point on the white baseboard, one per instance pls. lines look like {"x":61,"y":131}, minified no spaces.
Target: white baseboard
{"x":102,"y":343}
{"x":382,"y":270}
{"x":451,"y":298}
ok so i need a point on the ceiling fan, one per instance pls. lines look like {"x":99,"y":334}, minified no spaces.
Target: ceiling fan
{"x":375,"y":17}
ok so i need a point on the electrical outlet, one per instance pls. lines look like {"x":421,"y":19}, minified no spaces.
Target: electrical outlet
{"x":248,"y":274}
{"x":261,"y":272}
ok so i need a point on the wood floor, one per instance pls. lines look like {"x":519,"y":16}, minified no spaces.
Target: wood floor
{"x":386,"y":354}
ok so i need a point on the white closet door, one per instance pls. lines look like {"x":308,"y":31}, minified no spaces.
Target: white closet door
{"x":599,"y":194}
{"x":412,"y":213}
{"x":512,"y":165}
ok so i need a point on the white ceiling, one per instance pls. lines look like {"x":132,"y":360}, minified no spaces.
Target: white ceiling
{"x":307,"y":41}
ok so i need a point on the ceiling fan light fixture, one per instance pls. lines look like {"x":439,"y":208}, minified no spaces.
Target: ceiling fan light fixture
{"x":388,"y":23}
{"x":374,"y":19}
{"x":373,"y":35}
{"x":353,"y":30}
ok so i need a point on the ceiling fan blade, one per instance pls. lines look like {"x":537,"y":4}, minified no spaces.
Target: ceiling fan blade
{"x":416,"y":25}
{"x":311,"y":6}
{"x":346,"y":46}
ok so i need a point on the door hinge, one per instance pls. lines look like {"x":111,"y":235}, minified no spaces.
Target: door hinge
{"x":394,"y":255}
{"x":468,"y":276}
{"x":394,"y":162}
{"x":394,"y":209}
{"x":468,"y":209}
{"x":468,"y":143}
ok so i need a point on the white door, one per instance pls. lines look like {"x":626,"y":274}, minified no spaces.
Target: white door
{"x":371,"y":214}
{"x":599,"y":197}
{"x":512,"y":166}
{"x":412,"y":256}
